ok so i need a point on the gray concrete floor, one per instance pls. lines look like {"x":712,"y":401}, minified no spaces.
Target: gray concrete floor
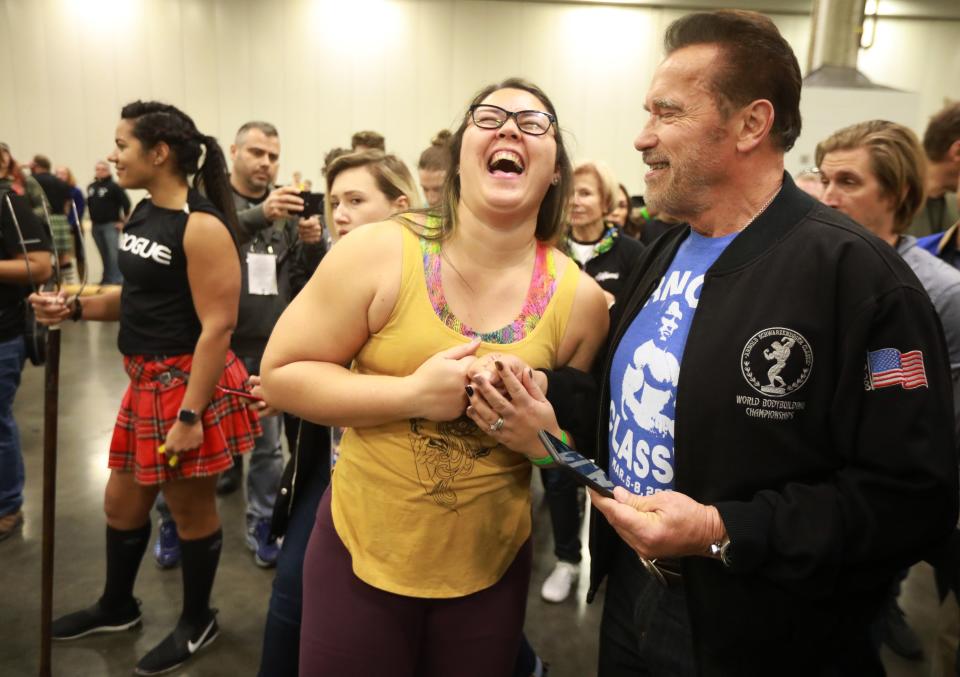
{"x":92,"y":382}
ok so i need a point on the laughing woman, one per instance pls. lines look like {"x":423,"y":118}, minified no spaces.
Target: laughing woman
{"x":423,"y":539}
{"x":175,"y":431}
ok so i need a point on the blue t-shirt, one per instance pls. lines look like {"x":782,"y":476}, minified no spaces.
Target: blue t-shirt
{"x":646,"y":367}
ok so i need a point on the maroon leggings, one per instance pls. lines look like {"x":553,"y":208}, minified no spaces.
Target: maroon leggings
{"x":351,"y":629}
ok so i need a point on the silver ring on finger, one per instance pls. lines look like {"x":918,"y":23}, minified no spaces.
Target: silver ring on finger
{"x":497,"y":426}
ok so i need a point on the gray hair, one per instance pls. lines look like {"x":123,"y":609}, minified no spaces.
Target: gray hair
{"x":265,"y":127}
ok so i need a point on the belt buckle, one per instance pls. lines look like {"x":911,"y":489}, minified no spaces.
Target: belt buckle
{"x":164,"y":377}
{"x":651,"y":566}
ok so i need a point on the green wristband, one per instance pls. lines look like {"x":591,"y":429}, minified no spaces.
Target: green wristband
{"x":547,"y":460}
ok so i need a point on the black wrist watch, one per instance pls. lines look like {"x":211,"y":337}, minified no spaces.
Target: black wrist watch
{"x":188,"y":416}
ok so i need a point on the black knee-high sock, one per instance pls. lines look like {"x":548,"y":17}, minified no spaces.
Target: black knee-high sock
{"x":124,"y":552}
{"x":199,"y":559}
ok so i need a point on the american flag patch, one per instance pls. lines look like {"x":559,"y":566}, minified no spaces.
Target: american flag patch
{"x":889,"y":367}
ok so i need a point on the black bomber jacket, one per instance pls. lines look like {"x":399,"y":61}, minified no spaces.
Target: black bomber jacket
{"x":827,"y":488}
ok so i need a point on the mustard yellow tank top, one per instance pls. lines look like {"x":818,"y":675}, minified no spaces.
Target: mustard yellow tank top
{"x":436,"y":510}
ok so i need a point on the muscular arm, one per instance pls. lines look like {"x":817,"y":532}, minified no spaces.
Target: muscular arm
{"x":213,"y":271}
{"x":102,"y":307}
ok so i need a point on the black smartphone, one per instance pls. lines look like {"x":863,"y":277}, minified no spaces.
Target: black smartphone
{"x":584,"y":471}
{"x":239,"y":393}
{"x":312,"y":204}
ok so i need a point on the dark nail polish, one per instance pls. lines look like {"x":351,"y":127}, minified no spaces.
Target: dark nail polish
{"x":499,"y":365}
{"x":469,"y":390}
{"x":530,"y":373}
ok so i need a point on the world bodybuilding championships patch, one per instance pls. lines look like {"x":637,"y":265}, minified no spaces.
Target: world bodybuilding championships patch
{"x":776,"y":361}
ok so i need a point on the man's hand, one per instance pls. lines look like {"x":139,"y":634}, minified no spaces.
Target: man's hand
{"x":666,"y":524}
{"x":281,"y":202}
{"x":309,"y":230}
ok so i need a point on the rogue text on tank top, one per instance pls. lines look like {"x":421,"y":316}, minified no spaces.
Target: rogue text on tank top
{"x":157,"y":316}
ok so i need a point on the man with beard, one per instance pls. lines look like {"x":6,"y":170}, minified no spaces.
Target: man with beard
{"x":769,"y":543}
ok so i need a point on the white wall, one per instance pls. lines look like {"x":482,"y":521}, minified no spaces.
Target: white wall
{"x":322,"y":69}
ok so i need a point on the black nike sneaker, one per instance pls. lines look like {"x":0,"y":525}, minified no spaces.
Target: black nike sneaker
{"x":179,"y":646}
{"x":96,"y":619}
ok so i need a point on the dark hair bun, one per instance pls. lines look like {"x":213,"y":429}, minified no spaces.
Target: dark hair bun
{"x":442,"y":138}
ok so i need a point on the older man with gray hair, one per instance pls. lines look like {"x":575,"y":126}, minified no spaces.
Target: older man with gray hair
{"x":760,"y":532}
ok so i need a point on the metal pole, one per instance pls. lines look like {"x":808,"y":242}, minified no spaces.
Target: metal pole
{"x":50,"y":412}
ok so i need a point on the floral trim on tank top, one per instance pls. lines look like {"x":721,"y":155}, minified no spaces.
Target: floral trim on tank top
{"x":542,"y":286}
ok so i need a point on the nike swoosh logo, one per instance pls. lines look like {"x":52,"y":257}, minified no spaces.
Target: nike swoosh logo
{"x":193,"y":646}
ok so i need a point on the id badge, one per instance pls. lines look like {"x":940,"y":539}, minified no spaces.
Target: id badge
{"x":262,"y":274}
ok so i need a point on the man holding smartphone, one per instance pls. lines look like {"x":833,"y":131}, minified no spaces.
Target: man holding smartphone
{"x":279,"y":251}
{"x":777,"y":393}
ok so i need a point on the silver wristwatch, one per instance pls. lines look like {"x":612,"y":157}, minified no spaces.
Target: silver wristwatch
{"x":720,"y":550}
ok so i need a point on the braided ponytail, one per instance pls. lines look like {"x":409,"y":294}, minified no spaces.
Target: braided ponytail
{"x":154,"y":122}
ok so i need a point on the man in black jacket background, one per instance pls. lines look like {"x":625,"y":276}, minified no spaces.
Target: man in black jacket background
{"x":776,"y":392}
{"x":109,"y":207}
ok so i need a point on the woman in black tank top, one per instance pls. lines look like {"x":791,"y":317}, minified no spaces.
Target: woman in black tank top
{"x":177,"y":428}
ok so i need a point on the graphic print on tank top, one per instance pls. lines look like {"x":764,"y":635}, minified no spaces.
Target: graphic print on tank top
{"x":646,"y":370}
{"x":448,"y":451}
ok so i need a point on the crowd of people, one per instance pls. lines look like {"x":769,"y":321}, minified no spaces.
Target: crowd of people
{"x":765,"y":366}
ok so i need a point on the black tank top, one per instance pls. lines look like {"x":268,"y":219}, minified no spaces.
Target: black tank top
{"x":157,"y":316}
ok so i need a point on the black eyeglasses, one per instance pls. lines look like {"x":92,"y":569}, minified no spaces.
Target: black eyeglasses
{"x":532,"y":122}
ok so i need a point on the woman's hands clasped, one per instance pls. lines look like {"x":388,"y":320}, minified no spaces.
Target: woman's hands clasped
{"x":511,"y":407}
{"x":498,"y":392}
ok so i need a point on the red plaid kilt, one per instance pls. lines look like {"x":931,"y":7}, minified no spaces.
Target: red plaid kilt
{"x":149,"y":409}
